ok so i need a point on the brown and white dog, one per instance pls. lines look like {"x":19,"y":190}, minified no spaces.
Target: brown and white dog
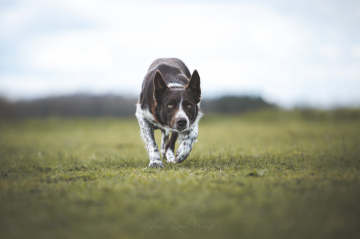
{"x":169,"y":101}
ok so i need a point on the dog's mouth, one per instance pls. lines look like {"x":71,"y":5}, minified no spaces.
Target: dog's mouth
{"x":180,"y":129}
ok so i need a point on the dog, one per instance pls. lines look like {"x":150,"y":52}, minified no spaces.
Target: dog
{"x":170,"y":101}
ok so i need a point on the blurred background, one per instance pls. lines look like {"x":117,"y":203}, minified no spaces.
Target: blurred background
{"x":88,"y":58}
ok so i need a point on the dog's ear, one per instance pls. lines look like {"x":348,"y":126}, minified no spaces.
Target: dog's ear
{"x":159,"y":86}
{"x":194,"y":85}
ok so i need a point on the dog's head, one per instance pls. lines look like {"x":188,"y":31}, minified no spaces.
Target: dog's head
{"x":177,"y":107}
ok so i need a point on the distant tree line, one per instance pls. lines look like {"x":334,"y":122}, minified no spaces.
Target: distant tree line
{"x":234,"y":104}
{"x":82,"y":105}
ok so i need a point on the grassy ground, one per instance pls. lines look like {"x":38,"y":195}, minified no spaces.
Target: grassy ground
{"x":261,"y":175}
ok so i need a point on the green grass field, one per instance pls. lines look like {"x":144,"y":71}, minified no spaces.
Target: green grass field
{"x":261,"y":175}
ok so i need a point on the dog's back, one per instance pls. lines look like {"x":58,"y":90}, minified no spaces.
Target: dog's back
{"x":174,"y":72}
{"x":174,"y":62}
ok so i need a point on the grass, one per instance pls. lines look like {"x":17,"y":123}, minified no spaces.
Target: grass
{"x":261,"y":175}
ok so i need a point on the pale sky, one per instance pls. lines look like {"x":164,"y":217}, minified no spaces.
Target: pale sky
{"x":289,"y":52}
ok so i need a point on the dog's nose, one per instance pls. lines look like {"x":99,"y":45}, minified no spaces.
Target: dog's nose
{"x":181,"y":122}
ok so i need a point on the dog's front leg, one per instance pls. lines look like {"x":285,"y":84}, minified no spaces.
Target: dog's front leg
{"x":187,"y":140}
{"x":164,"y":141}
{"x":147,"y":132}
{"x":169,"y":148}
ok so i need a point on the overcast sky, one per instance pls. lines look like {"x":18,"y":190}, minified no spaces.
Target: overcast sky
{"x":289,"y":52}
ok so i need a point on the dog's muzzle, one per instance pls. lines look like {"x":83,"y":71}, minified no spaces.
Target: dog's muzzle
{"x":181,"y":123}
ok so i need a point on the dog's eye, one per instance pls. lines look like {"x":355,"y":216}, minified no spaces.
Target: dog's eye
{"x":189,"y":106}
{"x":169,"y":105}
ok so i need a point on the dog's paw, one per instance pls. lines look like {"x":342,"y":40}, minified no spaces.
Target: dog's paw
{"x":163,"y":154}
{"x":156,"y":164}
{"x":170,"y":157}
{"x":183,"y":152}
{"x":180,"y":157}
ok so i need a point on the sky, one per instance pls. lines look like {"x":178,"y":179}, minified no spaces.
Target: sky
{"x":291,"y":53}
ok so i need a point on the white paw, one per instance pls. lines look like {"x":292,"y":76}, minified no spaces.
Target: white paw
{"x":156,"y":164}
{"x":170,"y":157}
{"x":181,"y":157}
{"x":163,"y":154}
{"x":171,"y":160}
{"x":182,"y":154}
